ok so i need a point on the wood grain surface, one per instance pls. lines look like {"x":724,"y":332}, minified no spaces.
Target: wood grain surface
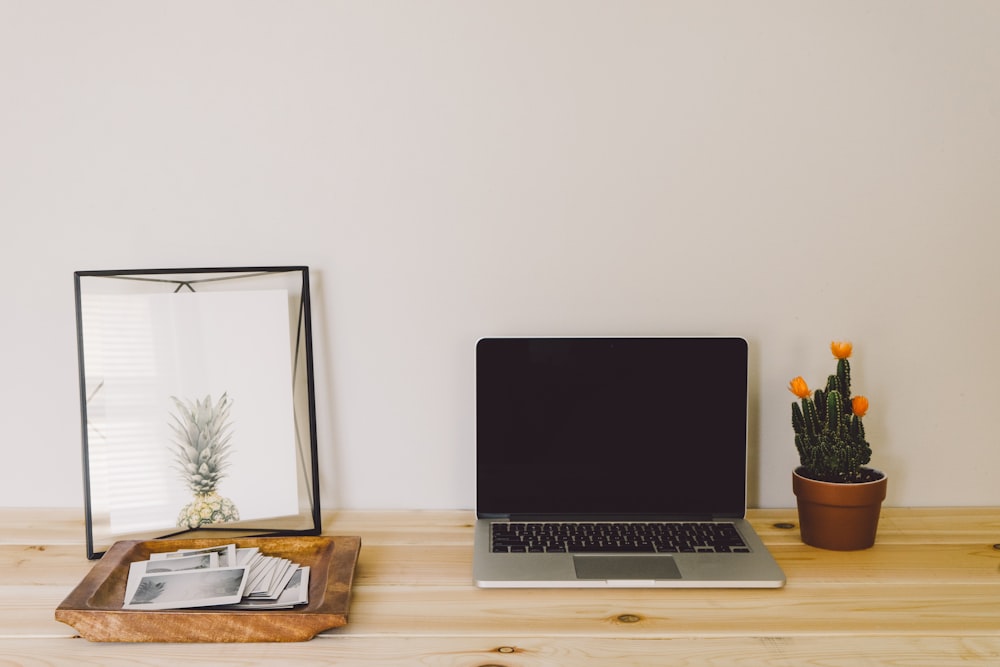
{"x":927,"y":593}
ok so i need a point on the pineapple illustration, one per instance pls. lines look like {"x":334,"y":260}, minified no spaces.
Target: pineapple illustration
{"x":202,"y":432}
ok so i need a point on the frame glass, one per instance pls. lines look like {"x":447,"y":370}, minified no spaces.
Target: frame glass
{"x":196,"y":399}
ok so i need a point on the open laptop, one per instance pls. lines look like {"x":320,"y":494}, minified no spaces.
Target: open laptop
{"x":614,"y":462}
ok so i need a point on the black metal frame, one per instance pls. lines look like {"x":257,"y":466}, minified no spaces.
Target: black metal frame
{"x":177,"y":280}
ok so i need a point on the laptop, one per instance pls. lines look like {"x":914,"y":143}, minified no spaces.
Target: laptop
{"x":614,"y":462}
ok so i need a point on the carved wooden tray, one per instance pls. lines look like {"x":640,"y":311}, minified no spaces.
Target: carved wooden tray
{"x":94,"y":607}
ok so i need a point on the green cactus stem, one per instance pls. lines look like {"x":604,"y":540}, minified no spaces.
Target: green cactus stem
{"x":829,"y":437}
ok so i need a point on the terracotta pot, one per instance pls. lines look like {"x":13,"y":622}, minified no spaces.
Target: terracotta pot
{"x":842,"y":517}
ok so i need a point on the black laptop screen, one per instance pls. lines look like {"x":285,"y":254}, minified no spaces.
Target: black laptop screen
{"x":611,"y":427}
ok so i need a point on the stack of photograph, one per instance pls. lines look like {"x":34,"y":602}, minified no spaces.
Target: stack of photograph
{"x":224,"y":576}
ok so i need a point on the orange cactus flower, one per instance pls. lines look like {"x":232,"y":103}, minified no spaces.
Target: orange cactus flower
{"x":799,"y":387}
{"x":841,"y":349}
{"x":859,"y":404}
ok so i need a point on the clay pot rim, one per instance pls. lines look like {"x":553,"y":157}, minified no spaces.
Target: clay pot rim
{"x":881,"y":478}
{"x":840,"y":494}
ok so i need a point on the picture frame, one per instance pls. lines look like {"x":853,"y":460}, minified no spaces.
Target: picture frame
{"x":197,"y":404}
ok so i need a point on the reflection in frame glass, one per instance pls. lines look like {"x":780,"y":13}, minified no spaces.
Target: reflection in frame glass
{"x":196,"y":398}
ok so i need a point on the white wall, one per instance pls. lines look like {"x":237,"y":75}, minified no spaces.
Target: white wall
{"x":790,"y":171}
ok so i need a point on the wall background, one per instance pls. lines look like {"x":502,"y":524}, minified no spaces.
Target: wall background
{"x":790,"y":171}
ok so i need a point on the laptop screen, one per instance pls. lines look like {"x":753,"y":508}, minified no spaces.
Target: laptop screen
{"x":611,"y":427}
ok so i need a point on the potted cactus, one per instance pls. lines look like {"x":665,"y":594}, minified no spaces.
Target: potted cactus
{"x":839,"y":498}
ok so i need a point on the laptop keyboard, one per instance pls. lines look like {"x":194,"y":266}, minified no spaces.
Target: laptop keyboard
{"x":614,"y":537}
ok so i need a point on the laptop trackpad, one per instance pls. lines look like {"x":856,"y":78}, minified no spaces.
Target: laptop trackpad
{"x":625,"y":567}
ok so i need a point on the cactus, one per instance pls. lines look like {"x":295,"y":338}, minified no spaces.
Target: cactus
{"x":829,"y":433}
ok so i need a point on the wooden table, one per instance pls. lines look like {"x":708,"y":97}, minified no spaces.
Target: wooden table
{"x":928,"y":593}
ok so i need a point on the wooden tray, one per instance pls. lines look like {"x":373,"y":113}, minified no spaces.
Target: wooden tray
{"x":94,"y":608}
